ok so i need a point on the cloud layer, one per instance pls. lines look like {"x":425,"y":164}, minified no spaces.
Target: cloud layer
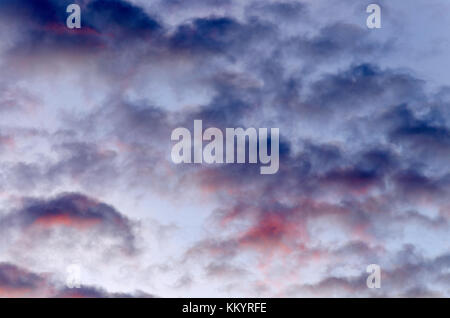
{"x":86,"y":176}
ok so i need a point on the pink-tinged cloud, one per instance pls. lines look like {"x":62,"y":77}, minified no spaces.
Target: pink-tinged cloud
{"x":65,"y":220}
{"x":70,"y":211}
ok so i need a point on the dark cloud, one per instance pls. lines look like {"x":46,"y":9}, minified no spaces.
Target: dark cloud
{"x":18,"y":282}
{"x":117,"y":16}
{"x":174,"y":5}
{"x":97,"y":292}
{"x":424,"y":135}
{"x":210,"y":35}
{"x":75,"y":211}
{"x":360,"y":88}
{"x":278,"y":10}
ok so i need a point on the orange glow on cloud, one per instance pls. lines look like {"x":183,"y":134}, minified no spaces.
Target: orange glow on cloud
{"x":65,"y":220}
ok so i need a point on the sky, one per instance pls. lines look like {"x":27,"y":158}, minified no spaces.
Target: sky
{"x":87,"y":180}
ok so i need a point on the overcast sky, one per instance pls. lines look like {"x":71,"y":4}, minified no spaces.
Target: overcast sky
{"x":86,"y":176}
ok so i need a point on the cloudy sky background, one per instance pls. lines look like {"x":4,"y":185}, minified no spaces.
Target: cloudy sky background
{"x":86,"y":176}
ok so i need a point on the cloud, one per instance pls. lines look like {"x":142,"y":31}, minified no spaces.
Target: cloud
{"x":87,"y":116}
{"x":19,"y":282}
{"x":68,"y":220}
